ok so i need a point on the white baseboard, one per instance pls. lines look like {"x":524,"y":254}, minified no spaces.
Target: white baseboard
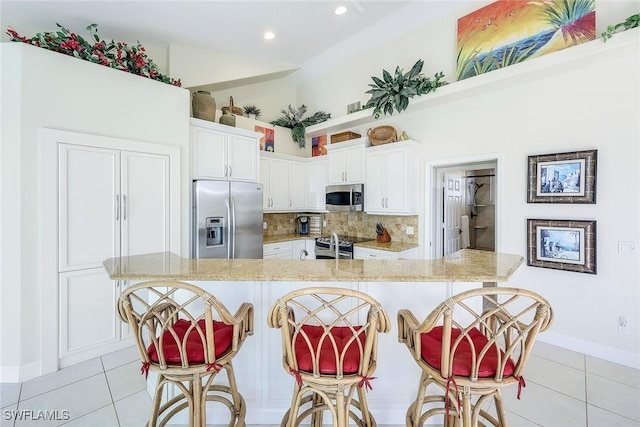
{"x":19,"y":374}
{"x":590,"y":348}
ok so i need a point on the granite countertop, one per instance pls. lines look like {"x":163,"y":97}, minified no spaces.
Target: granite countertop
{"x":372,"y":244}
{"x":467,"y":265}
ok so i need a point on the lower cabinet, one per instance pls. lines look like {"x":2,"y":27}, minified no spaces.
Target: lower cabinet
{"x":280,"y":250}
{"x":368,"y":253}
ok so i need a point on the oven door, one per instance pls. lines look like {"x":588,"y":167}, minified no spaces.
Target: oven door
{"x":326,"y":253}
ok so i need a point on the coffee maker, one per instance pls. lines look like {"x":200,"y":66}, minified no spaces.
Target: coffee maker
{"x":303,"y":225}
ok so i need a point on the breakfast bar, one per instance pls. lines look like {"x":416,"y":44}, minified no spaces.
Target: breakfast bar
{"x":418,"y":285}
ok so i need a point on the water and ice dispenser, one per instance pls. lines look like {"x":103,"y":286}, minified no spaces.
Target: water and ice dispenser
{"x":215,"y":231}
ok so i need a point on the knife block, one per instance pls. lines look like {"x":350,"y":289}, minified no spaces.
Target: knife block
{"x":384,"y":237}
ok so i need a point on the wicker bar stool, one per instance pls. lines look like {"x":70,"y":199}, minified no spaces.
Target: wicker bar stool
{"x":468,"y":348}
{"x":187,"y":337}
{"x":329,"y":344}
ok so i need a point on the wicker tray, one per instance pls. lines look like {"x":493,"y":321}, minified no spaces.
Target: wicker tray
{"x":382,"y":135}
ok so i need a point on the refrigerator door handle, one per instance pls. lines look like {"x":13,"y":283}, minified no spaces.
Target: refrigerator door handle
{"x":233,"y":229}
{"x":229,"y":222}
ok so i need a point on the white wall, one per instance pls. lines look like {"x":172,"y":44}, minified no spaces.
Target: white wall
{"x":595,"y":104}
{"x":46,"y":89}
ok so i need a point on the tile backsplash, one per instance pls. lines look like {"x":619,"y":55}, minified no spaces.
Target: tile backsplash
{"x":358,"y":224}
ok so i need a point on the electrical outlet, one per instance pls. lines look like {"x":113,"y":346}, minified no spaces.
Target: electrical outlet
{"x":264,"y":225}
{"x":409,"y":231}
{"x":623,"y":325}
{"x":324,"y":223}
{"x":627,"y":248}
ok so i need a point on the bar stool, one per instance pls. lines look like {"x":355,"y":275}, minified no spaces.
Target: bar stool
{"x":329,"y":345}
{"x":469,"y":348}
{"x":187,"y":337}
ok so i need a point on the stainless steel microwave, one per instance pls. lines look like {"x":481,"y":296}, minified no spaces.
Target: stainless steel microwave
{"x":345,"y":198}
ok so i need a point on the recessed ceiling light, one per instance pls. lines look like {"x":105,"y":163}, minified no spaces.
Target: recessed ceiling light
{"x":340,"y":10}
{"x":269,"y":35}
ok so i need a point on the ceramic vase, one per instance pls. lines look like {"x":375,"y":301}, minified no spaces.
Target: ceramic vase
{"x":203,"y":106}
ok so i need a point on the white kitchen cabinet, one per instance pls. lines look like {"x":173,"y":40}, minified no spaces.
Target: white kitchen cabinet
{"x":112,"y":202}
{"x":274,"y":176}
{"x":310,"y":246}
{"x":297,"y":185}
{"x":368,"y":253}
{"x":223,"y":152}
{"x":299,"y":249}
{"x":317,"y":181}
{"x":280,"y":250}
{"x":346,"y":162}
{"x":392,"y":179}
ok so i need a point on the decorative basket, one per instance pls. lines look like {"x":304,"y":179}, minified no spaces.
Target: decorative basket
{"x":382,"y":135}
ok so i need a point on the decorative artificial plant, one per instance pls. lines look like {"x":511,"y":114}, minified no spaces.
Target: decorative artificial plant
{"x":394,"y":91}
{"x":630,"y":22}
{"x":118,"y":55}
{"x":293,"y":120}
{"x":251,"y":109}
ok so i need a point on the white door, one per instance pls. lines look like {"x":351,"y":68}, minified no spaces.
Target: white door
{"x":89,"y":203}
{"x":317,"y":180}
{"x":279,"y":184}
{"x":453,"y":200}
{"x":297,"y":186}
{"x":243,"y":158}
{"x":376,"y":177}
{"x":265,"y":179}
{"x":145,"y":203}
{"x":354,"y":164}
{"x":335,"y":159}
{"x":209,"y":156}
{"x":397,"y":180}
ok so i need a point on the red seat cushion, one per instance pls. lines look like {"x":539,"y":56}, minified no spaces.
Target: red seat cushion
{"x":328,"y":356}
{"x":462,"y":363}
{"x":195,"y":351}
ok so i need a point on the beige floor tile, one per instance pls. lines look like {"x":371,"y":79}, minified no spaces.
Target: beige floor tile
{"x":9,"y":393}
{"x":7,"y":417}
{"x":516,"y":420}
{"x":546,"y":407}
{"x":120,"y":357}
{"x":126,"y":380}
{"x":78,"y":398}
{"x":61,"y":378}
{"x":560,"y":355}
{"x":103,"y":417}
{"x":613,"y":371}
{"x":556,"y":376}
{"x":133,"y":411}
{"x":613,"y":396}
{"x":598,"y":417}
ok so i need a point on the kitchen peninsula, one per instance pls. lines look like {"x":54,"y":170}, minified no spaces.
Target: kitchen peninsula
{"x":467,"y":265}
{"x":418,"y":285}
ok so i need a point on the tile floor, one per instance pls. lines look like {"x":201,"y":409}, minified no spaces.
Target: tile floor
{"x":564,"y":389}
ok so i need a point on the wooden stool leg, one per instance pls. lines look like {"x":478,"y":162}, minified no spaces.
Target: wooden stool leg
{"x":316,"y":417}
{"x":157,"y":399}
{"x":364,"y":406}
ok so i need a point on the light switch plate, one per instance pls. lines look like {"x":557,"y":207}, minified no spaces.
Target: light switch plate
{"x":628,"y":248}
{"x":409,"y":231}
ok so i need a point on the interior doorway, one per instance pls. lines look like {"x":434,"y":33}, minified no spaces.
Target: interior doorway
{"x":464,"y":209}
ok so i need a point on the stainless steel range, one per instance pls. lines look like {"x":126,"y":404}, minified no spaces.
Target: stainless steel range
{"x":326,"y":246}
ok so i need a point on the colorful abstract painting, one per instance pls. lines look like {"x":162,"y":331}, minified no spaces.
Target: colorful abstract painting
{"x":318,"y":145}
{"x":508,"y":32}
{"x":267,"y":142}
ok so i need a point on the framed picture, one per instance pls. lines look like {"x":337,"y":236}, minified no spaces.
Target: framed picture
{"x":562,"y":177}
{"x":268,"y":140}
{"x":319,"y":145}
{"x":562,"y":244}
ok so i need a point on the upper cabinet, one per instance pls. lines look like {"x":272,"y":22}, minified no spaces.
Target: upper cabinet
{"x":223,"y":152}
{"x":346,"y":162}
{"x":392,"y":179}
{"x":293,"y":184}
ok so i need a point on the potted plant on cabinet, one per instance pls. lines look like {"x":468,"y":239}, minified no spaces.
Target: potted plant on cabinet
{"x":252,"y":111}
{"x":293,"y":120}
{"x":630,"y":22}
{"x":393,"y":91}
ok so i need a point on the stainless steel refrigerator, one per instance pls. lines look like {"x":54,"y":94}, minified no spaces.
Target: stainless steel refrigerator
{"x":227,"y":220}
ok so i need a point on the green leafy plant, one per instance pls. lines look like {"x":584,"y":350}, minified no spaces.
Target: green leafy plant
{"x":394,"y":91}
{"x":118,"y":55}
{"x":251,"y":109}
{"x":630,"y":22}
{"x":293,"y":120}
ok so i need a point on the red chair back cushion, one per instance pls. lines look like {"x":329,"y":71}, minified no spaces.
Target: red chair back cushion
{"x":195,"y":351}
{"x":328,"y":356}
{"x":462,"y":362}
